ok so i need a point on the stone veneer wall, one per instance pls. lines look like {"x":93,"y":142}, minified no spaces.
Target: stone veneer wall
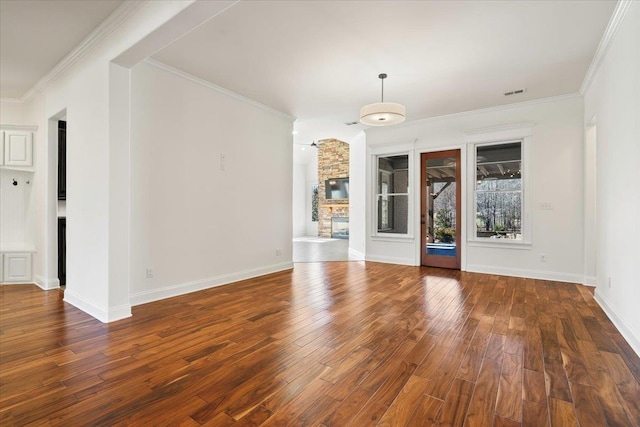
{"x":333,"y":162}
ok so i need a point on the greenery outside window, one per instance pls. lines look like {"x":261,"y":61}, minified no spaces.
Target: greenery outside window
{"x":392,"y":194}
{"x":314,"y":202}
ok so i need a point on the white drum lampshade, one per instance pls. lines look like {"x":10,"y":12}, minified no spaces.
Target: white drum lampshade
{"x":382,"y":113}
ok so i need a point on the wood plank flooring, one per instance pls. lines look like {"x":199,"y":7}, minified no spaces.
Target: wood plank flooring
{"x":327,"y":344}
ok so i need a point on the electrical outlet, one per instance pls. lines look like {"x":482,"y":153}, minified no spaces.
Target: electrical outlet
{"x":543,"y":257}
{"x":278,"y":252}
{"x":149,"y":273}
{"x":546,"y":206}
{"x":609,"y":282}
{"x":222,"y":162}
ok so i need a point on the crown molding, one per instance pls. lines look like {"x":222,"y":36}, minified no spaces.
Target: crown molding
{"x":390,"y":148}
{"x":478,"y":111}
{"x":113,"y":21}
{"x":208,"y":84}
{"x":607,"y":38}
{"x":524,"y":126}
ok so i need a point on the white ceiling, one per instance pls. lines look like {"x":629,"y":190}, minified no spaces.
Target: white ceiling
{"x":36,"y":35}
{"x":319,"y":60}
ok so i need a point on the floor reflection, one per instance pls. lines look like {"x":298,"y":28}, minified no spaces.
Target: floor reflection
{"x":317,"y":249}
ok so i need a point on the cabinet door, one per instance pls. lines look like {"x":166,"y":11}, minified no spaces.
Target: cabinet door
{"x":17,"y":267}
{"x":18,"y":148}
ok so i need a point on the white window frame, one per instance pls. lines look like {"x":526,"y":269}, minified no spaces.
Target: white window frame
{"x":522,"y":132}
{"x":375,"y":155}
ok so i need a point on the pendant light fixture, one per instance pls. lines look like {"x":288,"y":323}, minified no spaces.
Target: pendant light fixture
{"x":382,"y":113}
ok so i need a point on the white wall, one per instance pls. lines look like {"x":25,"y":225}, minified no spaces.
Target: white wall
{"x":590,"y":220}
{"x":15,"y":113}
{"x":556,"y":171}
{"x":357,"y":191}
{"x":299,"y":199}
{"x":16,"y":231}
{"x":84,"y":91}
{"x":299,"y":208}
{"x":93,"y":94}
{"x":305,"y":175}
{"x":613,"y":98}
{"x":193,"y":223}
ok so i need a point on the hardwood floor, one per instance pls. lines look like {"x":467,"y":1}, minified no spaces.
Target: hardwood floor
{"x":328,"y":344}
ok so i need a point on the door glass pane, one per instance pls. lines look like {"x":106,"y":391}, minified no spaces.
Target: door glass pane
{"x":441,"y":207}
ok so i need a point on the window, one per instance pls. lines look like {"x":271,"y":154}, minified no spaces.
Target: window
{"x":393,"y":194}
{"x":499,"y":191}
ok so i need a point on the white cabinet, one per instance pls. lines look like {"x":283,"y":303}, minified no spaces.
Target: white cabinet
{"x":17,"y":148}
{"x":16,"y":267}
{"x":17,"y":163}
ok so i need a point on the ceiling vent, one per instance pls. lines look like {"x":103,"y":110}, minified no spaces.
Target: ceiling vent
{"x":515,"y":92}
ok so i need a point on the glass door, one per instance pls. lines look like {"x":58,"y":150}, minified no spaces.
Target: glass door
{"x":440,"y":212}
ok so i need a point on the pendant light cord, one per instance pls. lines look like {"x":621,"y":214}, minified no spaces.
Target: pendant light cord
{"x":382,"y":77}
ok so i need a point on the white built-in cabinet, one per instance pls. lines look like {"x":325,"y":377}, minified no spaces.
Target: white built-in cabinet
{"x":16,"y":267}
{"x":16,"y":148}
{"x":17,"y":171}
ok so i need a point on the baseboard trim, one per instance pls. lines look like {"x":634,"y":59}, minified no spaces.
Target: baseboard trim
{"x":105,"y":316}
{"x":529,"y":274}
{"x":590,"y":281}
{"x":622,"y":327}
{"x":145,"y":297}
{"x":390,"y":259}
{"x":46,"y":284}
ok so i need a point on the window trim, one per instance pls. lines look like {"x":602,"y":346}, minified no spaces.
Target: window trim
{"x":522,"y":132}
{"x":374,"y":233}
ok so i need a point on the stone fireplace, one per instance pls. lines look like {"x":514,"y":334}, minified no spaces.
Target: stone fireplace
{"x":333,"y":162}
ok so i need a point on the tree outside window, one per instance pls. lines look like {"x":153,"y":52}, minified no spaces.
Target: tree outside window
{"x":498,"y":192}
